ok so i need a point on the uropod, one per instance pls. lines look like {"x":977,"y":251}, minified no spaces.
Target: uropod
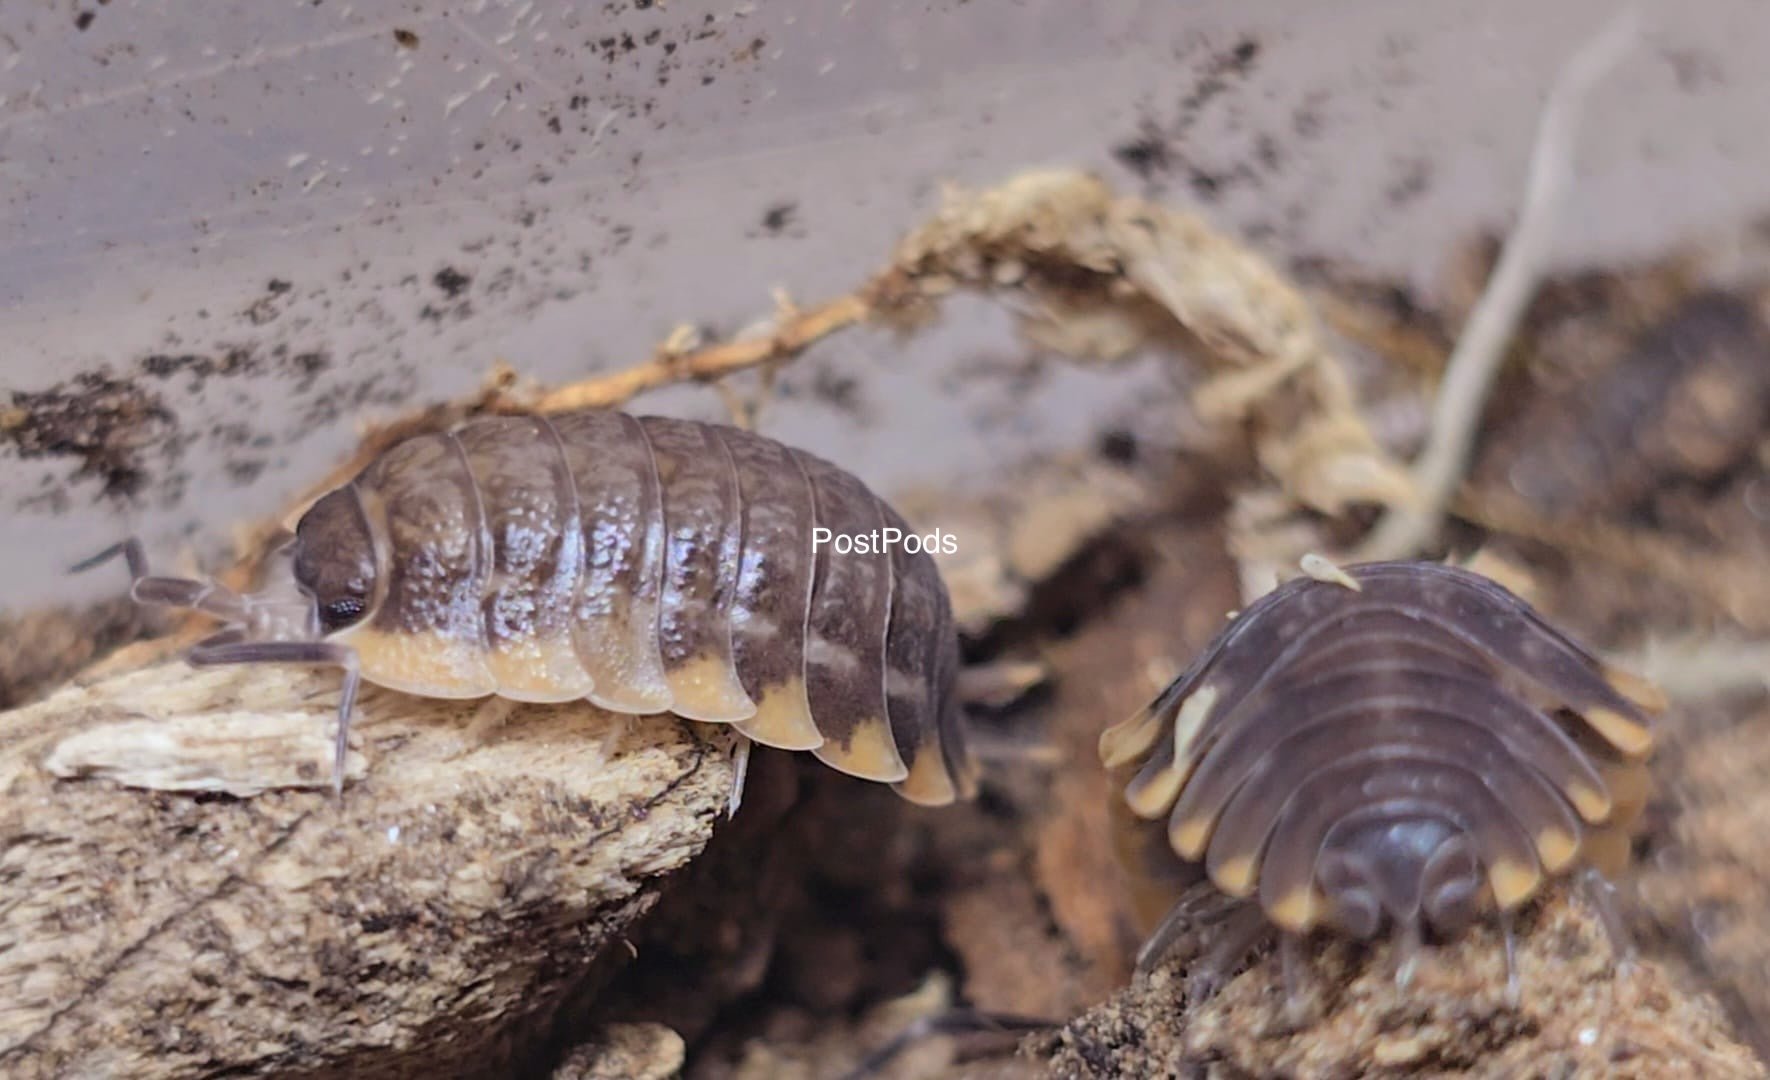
{"x":645,"y":564}
{"x":1398,"y":747}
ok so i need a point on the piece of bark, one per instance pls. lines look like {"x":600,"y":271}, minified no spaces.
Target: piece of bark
{"x":1579,"y":1014}
{"x":435,"y":919}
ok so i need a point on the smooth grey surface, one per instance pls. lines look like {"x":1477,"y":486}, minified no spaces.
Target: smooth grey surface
{"x":160,"y":168}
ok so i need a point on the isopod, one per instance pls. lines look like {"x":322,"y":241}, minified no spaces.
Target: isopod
{"x":645,"y":564}
{"x":1402,"y":746}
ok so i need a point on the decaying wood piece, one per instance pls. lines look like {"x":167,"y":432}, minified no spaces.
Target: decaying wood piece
{"x":1579,"y":1014}
{"x":435,"y":919}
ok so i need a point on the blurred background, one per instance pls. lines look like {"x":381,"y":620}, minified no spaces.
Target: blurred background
{"x":232,"y":239}
{"x":227,"y":240}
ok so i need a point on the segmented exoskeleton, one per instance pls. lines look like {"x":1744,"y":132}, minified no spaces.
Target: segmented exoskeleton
{"x":646,"y":564}
{"x":1407,"y":746}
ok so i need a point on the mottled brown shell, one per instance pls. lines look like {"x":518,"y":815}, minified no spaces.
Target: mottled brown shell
{"x":649,"y":565}
{"x":1413,"y":747}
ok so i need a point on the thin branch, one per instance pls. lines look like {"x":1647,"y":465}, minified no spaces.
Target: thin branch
{"x":1473,"y":365}
{"x":794,"y":335}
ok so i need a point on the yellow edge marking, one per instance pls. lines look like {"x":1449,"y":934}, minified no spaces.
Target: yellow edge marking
{"x":1556,"y":848}
{"x":871,"y":755}
{"x":1630,"y":787}
{"x":1641,"y":692}
{"x":1236,"y":876}
{"x":706,"y":688}
{"x":1294,"y":911}
{"x":1512,"y":884}
{"x":783,"y":719}
{"x":1129,"y":739}
{"x":423,"y":662}
{"x":928,"y":783}
{"x":542,"y":671}
{"x":1151,"y":799}
{"x":620,"y":651}
{"x":1621,"y":732}
{"x":631,"y":700}
{"x":1189,"y":837}
{"x":1593,"y":805}
{"x":1190,"y":722}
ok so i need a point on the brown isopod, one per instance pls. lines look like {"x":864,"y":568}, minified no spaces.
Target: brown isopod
{"x":648,"y":565}
{"x":1399,"y":745}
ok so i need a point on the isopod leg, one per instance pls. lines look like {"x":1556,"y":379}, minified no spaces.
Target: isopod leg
{"x":223,"y":649}
{"x":1242,"y":929}
{"x":146,"y":588}
{"x":132,"y":554}
{"x":1514,"y":989}
{"x":1296,"y":996}
{"x":1601,"y":894}
{"x":1408,"y":947}
{"x":740,"y":768}
{"x":1197,"y":907}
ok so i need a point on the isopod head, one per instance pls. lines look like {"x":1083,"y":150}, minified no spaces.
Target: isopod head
{"x":334,"y":559}
{"x":1396,"y":748}
{"x":1400,"y":872}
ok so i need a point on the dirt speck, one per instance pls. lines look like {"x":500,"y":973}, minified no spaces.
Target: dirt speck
{"x":451,"y":281}
{"x":779,"y":216}
{"x":1161,"y":143}
{"x":406,"y":39}
{"x":1147,"y":153}
{"x":1413,"y":178}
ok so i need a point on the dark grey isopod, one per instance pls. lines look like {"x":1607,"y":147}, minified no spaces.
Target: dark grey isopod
{"x":1412,"y":749}
{"x":646,"y":564}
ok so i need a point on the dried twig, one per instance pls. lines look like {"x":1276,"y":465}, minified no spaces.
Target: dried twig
{"x":1103,"y":274}
{"x":1469,"y":375}
{"x":794,"y":334}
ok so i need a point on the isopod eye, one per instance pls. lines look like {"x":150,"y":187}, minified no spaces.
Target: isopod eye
{"x":1452,"y":886}
{"x":335,"y":558}
{"x":1352,"y":905}
{"x":341,"y":613}
{"x":1356,"y":912}
{"x":1452,"y":905}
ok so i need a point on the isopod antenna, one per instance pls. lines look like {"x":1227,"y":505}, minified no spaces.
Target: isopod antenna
{"x":261,"y":629}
